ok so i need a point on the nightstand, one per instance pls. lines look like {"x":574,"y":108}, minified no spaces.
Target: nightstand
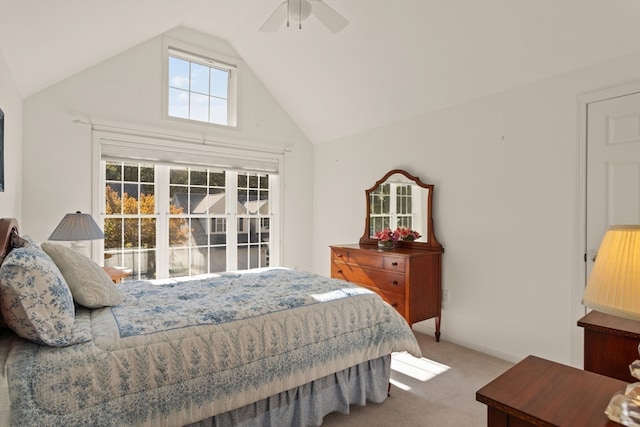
{"x":610,"y":344}
{"x":542,"y":393}
{"x":117,"y":274}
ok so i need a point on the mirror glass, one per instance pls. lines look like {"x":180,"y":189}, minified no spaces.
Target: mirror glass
{"x":398,"y":202}
{"x":399,"y":199}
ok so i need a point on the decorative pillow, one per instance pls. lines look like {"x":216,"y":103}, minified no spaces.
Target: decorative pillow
{"x":35,"y":300}
{"x":16,"y":242}
{"x":90,"y":285}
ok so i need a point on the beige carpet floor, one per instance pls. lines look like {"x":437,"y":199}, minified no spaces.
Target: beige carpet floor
{"x":438,"y":390}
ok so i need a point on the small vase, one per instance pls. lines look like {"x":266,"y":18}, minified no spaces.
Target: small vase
{"x":386,"y":244}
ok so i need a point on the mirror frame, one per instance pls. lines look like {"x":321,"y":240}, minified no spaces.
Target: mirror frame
{"x":431,"y":243}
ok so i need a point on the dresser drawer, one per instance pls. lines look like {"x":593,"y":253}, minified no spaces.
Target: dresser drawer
{"x":339,"y":255}
{"x":392,"y":263}
{"x":394,"y":299}
{"x":366,"y":260}
{"x":375,"y":279}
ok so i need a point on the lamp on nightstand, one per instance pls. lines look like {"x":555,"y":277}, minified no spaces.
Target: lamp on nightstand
{"x":614,"y":288}
{"x":77,"y":228}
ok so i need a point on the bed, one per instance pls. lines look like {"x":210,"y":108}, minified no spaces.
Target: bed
{"x":272,"y":347}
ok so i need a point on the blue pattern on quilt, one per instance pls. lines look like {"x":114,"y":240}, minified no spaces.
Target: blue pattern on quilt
{"x":221,"y":299}
{"x":182,"y":361}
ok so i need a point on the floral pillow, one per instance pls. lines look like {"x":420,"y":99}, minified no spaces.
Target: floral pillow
{"x":35,"y":300}
{"x":16,"y":242}
{"x":90,"y":285}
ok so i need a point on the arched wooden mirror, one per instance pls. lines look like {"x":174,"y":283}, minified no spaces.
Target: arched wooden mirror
{"x":400,"y":199}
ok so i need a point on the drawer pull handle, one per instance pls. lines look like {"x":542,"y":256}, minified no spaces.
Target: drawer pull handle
{"x":394,"y":305}
{"x":339,"y":271}
{"x":395,"y":263}
{"x":339,"y":255}
{"x":394,"y":283}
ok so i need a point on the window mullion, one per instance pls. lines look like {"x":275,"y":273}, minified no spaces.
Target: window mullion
{"x":232,"y":219}
{"x":162,"y":220}
{"x":393,"y":208}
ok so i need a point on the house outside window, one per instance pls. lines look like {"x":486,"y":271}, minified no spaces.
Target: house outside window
{"x":180,"y":214}
{"x":199,"y":219}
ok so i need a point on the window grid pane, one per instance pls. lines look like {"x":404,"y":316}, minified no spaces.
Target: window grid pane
{"x":380,"y":205}
{"x":130,"y":223}
{"x":404,"y":211}
{"x":254,"y":224}
{"x":199,"y":202}
{"x":198,"y":92}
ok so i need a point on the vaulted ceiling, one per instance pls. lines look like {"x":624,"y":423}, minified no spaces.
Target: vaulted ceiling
{"x":397,"y":59}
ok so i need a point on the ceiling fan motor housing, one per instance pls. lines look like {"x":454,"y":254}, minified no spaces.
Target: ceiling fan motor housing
{"x":299,"y":10}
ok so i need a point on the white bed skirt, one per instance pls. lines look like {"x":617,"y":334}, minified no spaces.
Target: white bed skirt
{"x":307,"y":405}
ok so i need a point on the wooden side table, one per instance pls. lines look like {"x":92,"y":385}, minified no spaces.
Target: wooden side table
{"x":538,"y":392}
{"x":117,"y":274}
{"x":610,"y":344}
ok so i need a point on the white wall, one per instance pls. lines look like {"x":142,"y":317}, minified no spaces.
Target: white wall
{"x":11,"y":105}
{"x":505,"y":169}
{"x":125,"y":91}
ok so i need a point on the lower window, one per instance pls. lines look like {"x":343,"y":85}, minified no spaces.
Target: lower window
{"x":167,"y":221}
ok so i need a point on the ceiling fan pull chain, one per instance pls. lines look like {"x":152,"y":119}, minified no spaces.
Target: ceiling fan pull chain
{"x":300,"y":14}
{"x":288,"y":13}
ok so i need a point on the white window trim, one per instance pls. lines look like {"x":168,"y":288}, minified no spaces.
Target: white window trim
{"x":273,"y":157}
{"x":186,"y":50}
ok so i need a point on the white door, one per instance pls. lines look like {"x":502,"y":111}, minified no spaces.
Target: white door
{"x":613,"y":167}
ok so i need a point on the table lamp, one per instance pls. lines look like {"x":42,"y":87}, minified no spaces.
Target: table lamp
{"x":613,"y":288}
{"x":77,"y":228}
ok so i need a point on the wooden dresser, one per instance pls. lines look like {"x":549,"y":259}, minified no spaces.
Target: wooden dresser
{"x":407,"y":278}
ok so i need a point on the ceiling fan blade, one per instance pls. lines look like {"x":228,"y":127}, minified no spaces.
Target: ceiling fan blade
{"x":329,"y":17}
{"x":276,"y":19}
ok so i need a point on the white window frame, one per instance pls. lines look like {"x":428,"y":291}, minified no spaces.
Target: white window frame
{"x":209,"y":58}
{"x":393,"y":214}
{"x":158,"y":150}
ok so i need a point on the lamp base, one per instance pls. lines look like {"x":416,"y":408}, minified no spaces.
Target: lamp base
{"x":624,"y":408}
{"x":78,"y":245}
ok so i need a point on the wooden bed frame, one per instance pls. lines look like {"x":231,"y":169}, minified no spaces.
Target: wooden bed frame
{"x":8,"y":227}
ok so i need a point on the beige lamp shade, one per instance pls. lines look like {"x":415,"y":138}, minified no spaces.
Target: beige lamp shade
{"x":77,"y":226}
{"x":614,"y":283}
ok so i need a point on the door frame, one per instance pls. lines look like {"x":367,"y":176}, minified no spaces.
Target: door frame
{"x":577,"y":309}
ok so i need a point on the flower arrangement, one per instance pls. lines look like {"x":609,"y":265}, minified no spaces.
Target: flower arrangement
{"x":387,"y":235}
{"x":405,"y":233}
{"x":400,"y":233}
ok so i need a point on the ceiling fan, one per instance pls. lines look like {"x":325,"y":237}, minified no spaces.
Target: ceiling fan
{"x":297,"y":11}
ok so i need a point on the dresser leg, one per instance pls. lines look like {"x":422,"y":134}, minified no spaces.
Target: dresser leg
{"x":437,"y":328}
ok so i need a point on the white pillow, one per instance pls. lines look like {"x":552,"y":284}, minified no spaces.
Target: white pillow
{"x":90,"y":285}
{"x":35,"y":299}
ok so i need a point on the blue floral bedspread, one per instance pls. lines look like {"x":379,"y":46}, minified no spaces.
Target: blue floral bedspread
{"x":185,"y":350}
{"x":222,"y":298}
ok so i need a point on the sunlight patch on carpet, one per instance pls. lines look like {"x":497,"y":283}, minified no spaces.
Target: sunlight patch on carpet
{"x":421,"y":369}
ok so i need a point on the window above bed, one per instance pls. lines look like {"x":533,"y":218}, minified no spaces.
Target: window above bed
{"x":199,"y":86}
